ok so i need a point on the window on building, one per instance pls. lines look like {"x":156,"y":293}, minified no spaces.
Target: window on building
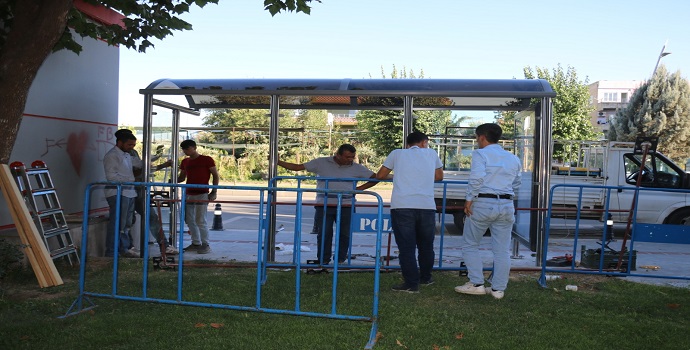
{"x":624,"y":97}
{"x":610,"y":97}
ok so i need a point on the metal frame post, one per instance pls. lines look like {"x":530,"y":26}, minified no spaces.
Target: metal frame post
{"x":272,"y":172}
{"x":408,"y":119}
{"x":543,"y":175}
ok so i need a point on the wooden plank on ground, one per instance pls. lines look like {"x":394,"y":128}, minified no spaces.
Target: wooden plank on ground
{"x":28,"y":228}
{"x":29,"y":253}
{"x":34,"y":246}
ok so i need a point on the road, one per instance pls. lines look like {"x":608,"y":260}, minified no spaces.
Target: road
{"x":241,"y":210}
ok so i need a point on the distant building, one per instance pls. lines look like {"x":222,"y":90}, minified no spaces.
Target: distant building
{"x":346,"y":120}
{"x":607,"y":96}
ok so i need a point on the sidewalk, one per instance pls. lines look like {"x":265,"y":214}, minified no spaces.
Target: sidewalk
{"x":234,"y":245}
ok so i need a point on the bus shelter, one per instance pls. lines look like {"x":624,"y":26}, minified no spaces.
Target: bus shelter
{"x":528,"y":100}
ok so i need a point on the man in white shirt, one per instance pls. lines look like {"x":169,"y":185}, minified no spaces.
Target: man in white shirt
{"x":493,"y":183}
{"x":139,"y":207}
{"x":118,"y":168}
{"x":413,"y":208}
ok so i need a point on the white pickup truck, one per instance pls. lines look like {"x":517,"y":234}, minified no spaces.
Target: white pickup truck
{"x":601,"y":164}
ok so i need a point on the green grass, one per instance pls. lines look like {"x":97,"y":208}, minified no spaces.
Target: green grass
{"x":605,"y":313}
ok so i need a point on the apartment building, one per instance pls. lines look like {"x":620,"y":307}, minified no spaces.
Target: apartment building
{"x":607,"y":96}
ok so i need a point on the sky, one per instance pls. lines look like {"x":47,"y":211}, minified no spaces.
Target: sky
{"x":446,"y":39}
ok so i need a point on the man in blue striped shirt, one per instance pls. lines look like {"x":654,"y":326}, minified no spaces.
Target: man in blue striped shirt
{"x":494,"y":181}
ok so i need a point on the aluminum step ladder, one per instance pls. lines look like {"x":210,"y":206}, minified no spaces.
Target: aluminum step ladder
{"x":36,"y":186}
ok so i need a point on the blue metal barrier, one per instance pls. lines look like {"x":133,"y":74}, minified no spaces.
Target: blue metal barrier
{"x":639,"y":232}
{"x":83,"y":302}
{"x":656,"y":233}
{"x":377,"y":222}
{"x":369,"y":218}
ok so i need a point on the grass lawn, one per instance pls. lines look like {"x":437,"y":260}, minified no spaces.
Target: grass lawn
{"x":605,"y":313}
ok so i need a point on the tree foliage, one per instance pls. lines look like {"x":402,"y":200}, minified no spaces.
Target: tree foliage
{"x":571,"y":107}
{"x":298,"y":146}
{"x":661,"y":108}
{"x":143,"y":20}
{"x":382,"y":129}
{"x":241,"y":119}
{"x":31,"y":29}
{"x":506,"y":119}
{"x":402,"y":74}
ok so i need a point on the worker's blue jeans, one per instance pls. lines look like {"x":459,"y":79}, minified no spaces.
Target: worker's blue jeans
{"x":325,"y":234}
{"x":414,"y":229}
{"x":126,"y":216}
{"x":154,"y":220}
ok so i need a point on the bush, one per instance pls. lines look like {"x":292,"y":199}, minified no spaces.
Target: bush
{"x":10,"y":257}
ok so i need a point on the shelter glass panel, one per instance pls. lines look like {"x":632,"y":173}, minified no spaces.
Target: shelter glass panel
{"x":525,"y":149}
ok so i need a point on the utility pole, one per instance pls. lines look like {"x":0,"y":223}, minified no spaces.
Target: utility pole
{"x":661,"y":54}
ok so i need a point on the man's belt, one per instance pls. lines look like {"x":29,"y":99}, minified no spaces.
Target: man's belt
{"x":497,"y":196}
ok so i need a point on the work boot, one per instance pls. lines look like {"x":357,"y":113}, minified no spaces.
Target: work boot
{"x":192,"y":247}
{"x":204,"y":249}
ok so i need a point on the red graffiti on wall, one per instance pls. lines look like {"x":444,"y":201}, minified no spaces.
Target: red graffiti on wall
{"x":76,"y":145}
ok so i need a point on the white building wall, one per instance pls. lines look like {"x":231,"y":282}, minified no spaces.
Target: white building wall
{"x":69,"y":121}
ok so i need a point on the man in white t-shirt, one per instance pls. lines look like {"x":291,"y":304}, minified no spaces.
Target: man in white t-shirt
{"x":413,"y":208}
{"x":341,"y":165}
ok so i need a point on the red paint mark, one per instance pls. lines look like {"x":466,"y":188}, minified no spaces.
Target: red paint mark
{"x":76,"y":144}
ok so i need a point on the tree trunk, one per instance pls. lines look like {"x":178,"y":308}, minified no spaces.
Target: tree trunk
{"x":36,"y":27}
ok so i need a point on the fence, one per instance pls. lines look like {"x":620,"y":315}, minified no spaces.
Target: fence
{"x":266,"y":196}
{"x":640,"y":245}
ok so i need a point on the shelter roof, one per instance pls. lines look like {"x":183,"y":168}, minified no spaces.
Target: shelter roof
{"x":486,"y":94}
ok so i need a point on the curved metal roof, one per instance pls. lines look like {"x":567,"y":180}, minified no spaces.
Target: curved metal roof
{"x":488,"y":94}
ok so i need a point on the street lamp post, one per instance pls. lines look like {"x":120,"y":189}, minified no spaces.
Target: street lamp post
{"x":661,"y":54}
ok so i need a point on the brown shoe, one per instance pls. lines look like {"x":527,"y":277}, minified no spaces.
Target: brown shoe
{"x":204,"y":249}
{"x":192,"y":247}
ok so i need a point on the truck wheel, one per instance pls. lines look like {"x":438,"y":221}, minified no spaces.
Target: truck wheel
{"x":679,"y":217}
{"x":459,"y":221}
